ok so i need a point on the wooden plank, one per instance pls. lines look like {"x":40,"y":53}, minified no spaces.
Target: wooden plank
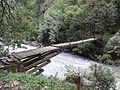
{"x":4,"y":61}
{"x":64,"y":45}
{"x":32,"y":58}
{"x":33,"y":65}
{"x":40,"y":61}
{"x":38,"y":72}
{"x":25,"y":60}
{"x":48,"y":53}
{"x":28,"y":59}
{"x":31,"y":70}
{"x":31,"y":61}
{"x":34,"y":52}
{"x":38,"y":67}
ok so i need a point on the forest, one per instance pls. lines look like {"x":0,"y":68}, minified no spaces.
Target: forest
{"x":49,"y":22}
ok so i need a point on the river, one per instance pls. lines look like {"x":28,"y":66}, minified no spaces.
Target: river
{"x":73,"y":62}
{"x":58,"y":64}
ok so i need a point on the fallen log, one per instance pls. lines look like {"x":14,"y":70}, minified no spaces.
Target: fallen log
{"x":71,"y":44}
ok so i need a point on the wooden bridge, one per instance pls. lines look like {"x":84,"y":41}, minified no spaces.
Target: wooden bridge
{"x":32,"y":61}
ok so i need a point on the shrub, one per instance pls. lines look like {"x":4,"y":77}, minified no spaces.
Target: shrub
{"x":96,"y":77}
{"x":100,"y":78}
{"x":113,"y":45}
{"x":3,"y":52}
{"x":106,"y":58}
{"x":29,"y":82}
{"x":88,"y":48}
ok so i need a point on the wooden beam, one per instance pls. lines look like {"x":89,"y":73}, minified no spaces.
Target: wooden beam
{"x":31,"y":61}
{"x":38,"y":72}
{"x":65,"y":45}
{"x":38,"y":67}
{"x":40,"y":61}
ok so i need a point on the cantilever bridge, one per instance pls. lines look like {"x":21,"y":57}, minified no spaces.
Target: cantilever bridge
{"x":32,"y":61}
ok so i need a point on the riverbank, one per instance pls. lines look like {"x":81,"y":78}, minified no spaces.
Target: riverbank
{"x":96,"y":51}
{"x":96,"y":59}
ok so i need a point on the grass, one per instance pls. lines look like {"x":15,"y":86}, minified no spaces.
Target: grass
{"x":28,"y":82}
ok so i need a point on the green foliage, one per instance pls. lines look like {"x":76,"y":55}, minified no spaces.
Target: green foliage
{"x":29,"y":82}
{"x":117,"y":4}
{"x":96,"y":77}
{"x":61,"y":21}
{"x":102,"y":17}
{"x":71,"y":2}
{"x":113,"y":45}
{"x":100,"y":78}
{"x":17,"y":21}
{"x":51,"y":24}
{"x":73,"y":19}
{"x":72,"y":12}
{"x":87,"y":49}
{"x":106,"y":58}
{"x":79,"y":19}
{"x":3,"y":52}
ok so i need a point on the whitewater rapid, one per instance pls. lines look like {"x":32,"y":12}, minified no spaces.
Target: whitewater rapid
{"x":63,"y":62}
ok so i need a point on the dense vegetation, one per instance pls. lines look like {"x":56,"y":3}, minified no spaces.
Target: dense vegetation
{"x":70,"y":20}
{"x":99,"y":77}
{"x":17,"y":21}
{"x":96,"y":77}
{"x":29,"y":82}
{"x":56,"y":21}
{"x":49,"y":21}
{"x":76,"y":19}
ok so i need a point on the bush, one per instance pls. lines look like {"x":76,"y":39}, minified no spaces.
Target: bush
{"x":106,"y":58}
{"x":100,"y":78}
{"x":96,"y":77}
{"x":88,"y":48}
{"x":3,"y":52}
{"x":113,"y":45}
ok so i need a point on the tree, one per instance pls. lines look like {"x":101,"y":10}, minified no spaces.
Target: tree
{"x":102,"y":17}
{"x":51,"y":24}
{"x":64,"y":18}
{"x":17,"y":21}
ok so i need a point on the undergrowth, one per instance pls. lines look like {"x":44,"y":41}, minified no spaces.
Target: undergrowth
{"x":30,"y":82}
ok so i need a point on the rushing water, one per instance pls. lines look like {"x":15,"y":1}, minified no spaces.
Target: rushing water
{"x":60,"y":62}
{"x":58,"y":66}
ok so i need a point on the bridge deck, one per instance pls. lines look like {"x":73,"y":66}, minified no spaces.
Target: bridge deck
{"x":34,"y":52}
